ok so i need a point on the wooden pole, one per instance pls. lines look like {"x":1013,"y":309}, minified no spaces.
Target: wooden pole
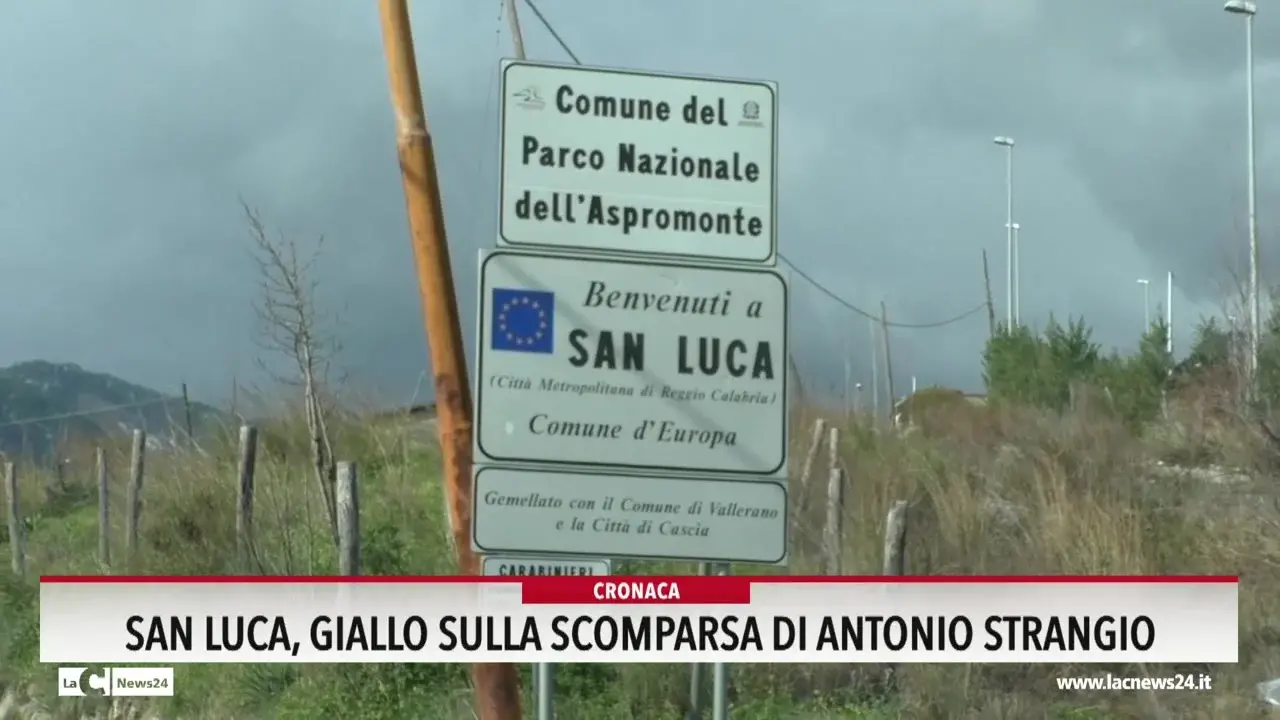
{"x":186,"y":410}
{"x":895,"y":540}
{"x":17,"y":533}
{"x":833,"y":447}
{"x":497,"y":686}
{"x":888,"y":360}
{"x":833,"y":532}
{"x":244,"y":496}
{"x":137,"y":464}
{"x":348,"y":494}
{"x":104,"y":508}
{"x":991,"y":308}
{"x":811,"y":455}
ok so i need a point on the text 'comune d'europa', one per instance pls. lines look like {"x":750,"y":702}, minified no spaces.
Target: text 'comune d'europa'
{"x":655,"y":631}
{"x":663,"y":432}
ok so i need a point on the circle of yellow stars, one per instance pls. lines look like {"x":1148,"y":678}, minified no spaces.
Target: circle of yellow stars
{"x":533,"y":305}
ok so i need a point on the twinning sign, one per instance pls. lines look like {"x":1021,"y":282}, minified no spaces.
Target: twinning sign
{"x":629,"y":402}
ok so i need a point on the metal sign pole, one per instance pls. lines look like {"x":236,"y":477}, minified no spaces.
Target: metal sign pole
{"x":720,"y":691}
{"x":544,"y":674}
{"x":720,"y":674}
{"x":695,"y":692}
{"x":544,"y":679}
{"x":695,"y":671}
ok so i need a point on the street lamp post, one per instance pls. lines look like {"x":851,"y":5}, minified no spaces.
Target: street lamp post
{"x":1146,"y":304}
{"x":1007,"y":143}
{"x":1017,"y":276}
{"x":1249,"y":9}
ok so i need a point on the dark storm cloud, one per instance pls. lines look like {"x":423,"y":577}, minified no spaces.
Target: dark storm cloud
{"x":130,"y":133}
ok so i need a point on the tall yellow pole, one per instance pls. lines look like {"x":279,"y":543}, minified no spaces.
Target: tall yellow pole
{"x":497,"y":685}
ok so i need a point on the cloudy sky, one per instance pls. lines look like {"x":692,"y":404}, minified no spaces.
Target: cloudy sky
{"x":128,"y":131}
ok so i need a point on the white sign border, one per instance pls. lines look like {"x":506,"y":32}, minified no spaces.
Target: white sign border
{"x":482,"y":305}
{"x":771,"y":260}
{"x":783,"y":483}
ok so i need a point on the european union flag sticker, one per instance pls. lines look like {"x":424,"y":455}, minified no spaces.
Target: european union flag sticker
{"x":523,"y":321}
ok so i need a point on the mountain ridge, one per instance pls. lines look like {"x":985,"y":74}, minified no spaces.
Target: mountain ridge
{"x":44,"y":404}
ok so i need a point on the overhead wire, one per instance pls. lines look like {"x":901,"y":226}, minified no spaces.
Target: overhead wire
{"x":546,"y":24}
{"x":854,"y":308}
{"x":83,"y":413}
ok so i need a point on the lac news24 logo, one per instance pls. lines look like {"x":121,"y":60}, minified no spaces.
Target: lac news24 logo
{"x":116,"y":682}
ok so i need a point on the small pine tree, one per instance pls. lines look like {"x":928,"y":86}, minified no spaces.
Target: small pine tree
{"x":1023,"y":367}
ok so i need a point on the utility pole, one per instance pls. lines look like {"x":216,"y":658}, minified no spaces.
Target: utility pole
{"x":1168,"y":314}
{"x":497,"y":686}
{"x":888,"y":360}
{"x":848,"y":382}
{"x":991,"y":308}
{"x":186,"y":411}
{"x":875,"y":370}
{"x":513,"y":20}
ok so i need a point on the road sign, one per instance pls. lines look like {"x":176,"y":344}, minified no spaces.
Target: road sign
{"x":525,"y":565}
{"x":608,"y":160}
{"x":572,"y":513}
{"x":617,"y":363}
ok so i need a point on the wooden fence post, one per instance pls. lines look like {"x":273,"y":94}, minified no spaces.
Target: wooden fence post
{"x":811,"y":456}
{"x":800,"y":503}
{"x":834,"y":536}
{"x":833,"y":447}
{"x":833,"y":531}
{"x":895,"y":540}
{"x":186,"y":411}
{"x":137,"y":464}
{"x":17,"y":533}
{"x":348,"y":499}
{"x":57,"y":485}
{"x":244,"y":496}
{"x":104,"y":508}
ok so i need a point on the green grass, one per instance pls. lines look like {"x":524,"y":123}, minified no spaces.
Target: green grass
{"x":1075,"y":486}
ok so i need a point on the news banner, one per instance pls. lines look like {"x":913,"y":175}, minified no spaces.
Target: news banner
{"x":593,"y":619}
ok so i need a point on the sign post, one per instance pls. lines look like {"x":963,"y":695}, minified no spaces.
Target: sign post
{"x":544,"y":674}
{"x":632,"y":338}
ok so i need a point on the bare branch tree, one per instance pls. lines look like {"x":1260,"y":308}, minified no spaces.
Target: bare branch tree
{"x":289,"y":326}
